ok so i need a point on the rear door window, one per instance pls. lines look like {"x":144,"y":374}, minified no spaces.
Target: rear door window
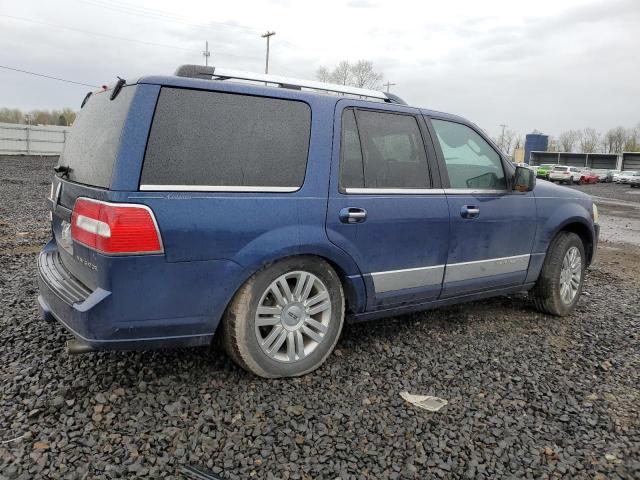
{"x":92,"y":145}
{"x":392,"y":150}
{"x":203,"y":140}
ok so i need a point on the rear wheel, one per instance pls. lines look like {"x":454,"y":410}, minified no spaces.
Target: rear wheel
{"x":559,"y":285}
{"x":286,"y":319}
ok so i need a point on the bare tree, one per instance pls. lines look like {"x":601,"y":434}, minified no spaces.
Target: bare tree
{"x":506,"y":140}
{"x":616,"y":139}
{"x":342,"y":73}
{"x":323,"y":74}
{"x":632,"y":142}
{"x":360,"y":74}
{"x":519,"y":143}
{"x":552,"y":144}
{"x":567,"y":140}
{"x":364,"y":76}
{"x":11,"y":115}
{"x":589,"y":140}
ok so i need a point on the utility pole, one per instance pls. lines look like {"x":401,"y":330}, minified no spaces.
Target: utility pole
{"x":267,"y":36}
{"x":502,"y":136}
{"x":388,"y":85}
{"x":206,"y":53}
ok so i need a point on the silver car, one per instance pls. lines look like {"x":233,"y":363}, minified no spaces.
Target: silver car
{"x":625,"y":176}
{"x":634,"y":180}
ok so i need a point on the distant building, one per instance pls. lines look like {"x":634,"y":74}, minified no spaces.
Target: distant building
{"x":535,"y":142}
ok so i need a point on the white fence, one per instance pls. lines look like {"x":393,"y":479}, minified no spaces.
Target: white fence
{"x":18,"y":139}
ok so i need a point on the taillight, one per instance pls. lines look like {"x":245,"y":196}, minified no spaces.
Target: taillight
{"x":115,"y":228}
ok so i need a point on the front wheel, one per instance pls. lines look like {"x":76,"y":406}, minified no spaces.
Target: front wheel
{"x":286,"y":319}
{"x":560,"y":282}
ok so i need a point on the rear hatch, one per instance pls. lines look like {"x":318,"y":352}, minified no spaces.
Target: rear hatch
{"x":85,"y":170}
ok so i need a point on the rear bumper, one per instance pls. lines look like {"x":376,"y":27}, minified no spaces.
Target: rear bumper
{"x":163,"y":305}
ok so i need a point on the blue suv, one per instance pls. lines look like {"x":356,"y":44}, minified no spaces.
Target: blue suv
{"x":267,"y":211}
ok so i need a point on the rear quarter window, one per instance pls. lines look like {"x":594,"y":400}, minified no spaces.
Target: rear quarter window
{"x":210,"y":140}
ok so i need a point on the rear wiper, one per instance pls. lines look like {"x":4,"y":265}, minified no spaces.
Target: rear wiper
{"x":62,"y":170}
{"x":116,"y":89}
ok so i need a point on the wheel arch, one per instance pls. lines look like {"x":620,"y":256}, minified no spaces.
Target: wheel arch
{"x":580,"y":228}
{"x":352,"y":284}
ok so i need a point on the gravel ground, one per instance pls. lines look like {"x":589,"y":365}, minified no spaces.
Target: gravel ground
{"x":529,"y":395}
{"x":611,"y":191}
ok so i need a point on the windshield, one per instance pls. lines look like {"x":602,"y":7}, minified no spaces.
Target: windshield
{"x":92,"y":144}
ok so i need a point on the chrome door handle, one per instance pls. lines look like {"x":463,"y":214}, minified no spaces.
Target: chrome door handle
{"x":470,"y":211}
{"x":352,"y":215}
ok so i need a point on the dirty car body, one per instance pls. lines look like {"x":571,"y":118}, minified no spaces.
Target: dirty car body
{"x":150,"y":242}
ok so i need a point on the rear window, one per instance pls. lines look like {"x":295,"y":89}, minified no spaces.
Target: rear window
{"x":92,"y":144}
{"x":559,"y":169}
{"x":204,"y":140}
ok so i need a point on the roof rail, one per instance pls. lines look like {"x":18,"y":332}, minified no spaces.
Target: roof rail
{"x":210,"y":73}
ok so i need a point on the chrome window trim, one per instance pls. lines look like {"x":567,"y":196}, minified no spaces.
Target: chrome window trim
{"x":393,"y":191}
{"x":214,"y":188}
{"x":422,"y":191}
{"x":474,"y":191}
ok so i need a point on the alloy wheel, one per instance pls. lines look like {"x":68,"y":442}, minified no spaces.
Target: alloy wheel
{"x":293,"y":316}
{"x":570,"y":275}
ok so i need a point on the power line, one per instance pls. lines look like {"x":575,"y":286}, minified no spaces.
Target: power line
{"x":168,"y":17}
{"x":114,"y":37}
{"x":160,"y":15}
{"x":47,"y":76}
{"x":97,"y":34}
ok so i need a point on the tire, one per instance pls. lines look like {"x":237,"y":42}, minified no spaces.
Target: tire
{"x":547,"y":294}
{"x":570,"y":181}
{"x":255,"y":348}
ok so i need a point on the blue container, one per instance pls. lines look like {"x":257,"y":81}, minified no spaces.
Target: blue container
{"x":535,"y":142}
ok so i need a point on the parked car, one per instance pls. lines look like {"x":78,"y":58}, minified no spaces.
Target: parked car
{"x":634,"y":180}
{"x":544,"y":170}
{"x":625,"y":176}
{"x":564,"y":174}
{"x":588,"y":176}
{"x":186,"y":207}
{"x":604,"y":176}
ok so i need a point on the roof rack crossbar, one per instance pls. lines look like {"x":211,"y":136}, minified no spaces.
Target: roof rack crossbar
{"x":206,"y":72}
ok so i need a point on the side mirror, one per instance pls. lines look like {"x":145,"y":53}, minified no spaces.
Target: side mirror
{"x":524,"y":179}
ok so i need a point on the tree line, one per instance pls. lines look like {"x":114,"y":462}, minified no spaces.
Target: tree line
{"x":587,"y":140}
{"x":64,"y":117}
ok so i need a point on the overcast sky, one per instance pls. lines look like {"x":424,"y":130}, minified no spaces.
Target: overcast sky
{"x":549,"y":65}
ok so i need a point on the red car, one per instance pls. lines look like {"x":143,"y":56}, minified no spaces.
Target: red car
{"x":588,"y":176}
